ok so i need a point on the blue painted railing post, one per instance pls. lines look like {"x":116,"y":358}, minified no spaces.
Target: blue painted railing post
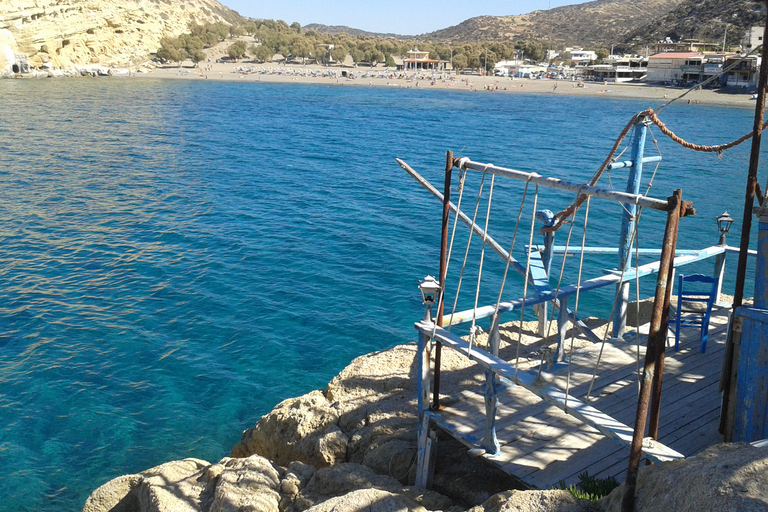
{"x":719,"y":273}
{"x":490,"y":442}
{"x":628,"y":225}
{"x":548,"y":219}
{"x":750,"y":422}
{"x":761,"y":270}
{"x":424,"y":444}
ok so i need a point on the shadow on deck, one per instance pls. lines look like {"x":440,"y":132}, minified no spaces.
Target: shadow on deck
{"x":542,"y":445}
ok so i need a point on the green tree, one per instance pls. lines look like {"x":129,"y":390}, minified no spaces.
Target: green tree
{"x":300,"y":48}
{"x":237,"y":50}
{"x":357,"y":55}
{"x":261,"y":53}
{"x":459,"y":61}
{"x":602,"y":53}
{"x":296,"y":26}
{"x":197,"y":56}
{"x":389,"y":61}
{"x":339,"y":53}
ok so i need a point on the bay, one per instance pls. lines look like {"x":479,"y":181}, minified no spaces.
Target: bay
{"x":178,"y":257}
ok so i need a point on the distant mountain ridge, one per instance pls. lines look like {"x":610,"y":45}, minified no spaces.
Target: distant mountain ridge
{"x":596,"y":23}
{"x":343,"y":29}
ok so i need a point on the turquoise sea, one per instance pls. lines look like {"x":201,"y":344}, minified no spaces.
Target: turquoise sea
{"x":178,"y":257}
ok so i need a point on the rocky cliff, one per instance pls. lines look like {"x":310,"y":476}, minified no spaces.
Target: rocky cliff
{"x":351,"y":446}
{"x":64,"y":33}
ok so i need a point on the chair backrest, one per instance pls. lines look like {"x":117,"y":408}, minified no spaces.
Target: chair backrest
{"x":697,"y":287}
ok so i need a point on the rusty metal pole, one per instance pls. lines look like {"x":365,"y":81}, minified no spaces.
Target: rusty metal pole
{"x":443,"y":266}
{"x":656,"y":337}
{"x":746,"y":224}
{"x":660,"y":337}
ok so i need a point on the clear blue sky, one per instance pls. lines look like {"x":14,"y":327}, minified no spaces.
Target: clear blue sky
{"x":406,"y":17}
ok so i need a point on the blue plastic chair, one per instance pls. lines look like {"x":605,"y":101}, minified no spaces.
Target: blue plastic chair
{"x":695,"y":296}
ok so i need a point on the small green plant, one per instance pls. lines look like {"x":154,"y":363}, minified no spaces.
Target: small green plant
{"x":589,"y":487}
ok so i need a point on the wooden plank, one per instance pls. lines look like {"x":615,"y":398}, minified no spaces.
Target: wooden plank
{"x":542,"y":445}
{"x":586,"y":413}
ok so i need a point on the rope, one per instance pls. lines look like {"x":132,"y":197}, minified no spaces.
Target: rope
{"x":698,"y":147}
{"x":466,"y":251}
{"x":527,"y":271}
{"x":717,"y":149}
{"x":615,"y":301}
{"x":472,"y":331}
{"x":576,"y":305}
{"x":570,"y":210}
{"x":462,"y":178}
{"x":511,"y":247}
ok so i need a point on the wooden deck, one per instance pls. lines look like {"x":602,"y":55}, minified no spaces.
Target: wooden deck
{"x":542,"y":445}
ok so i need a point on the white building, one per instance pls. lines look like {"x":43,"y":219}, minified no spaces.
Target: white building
{"x":579,"y":56}
{"x":754,"y":37}
{"x":675,"y":66}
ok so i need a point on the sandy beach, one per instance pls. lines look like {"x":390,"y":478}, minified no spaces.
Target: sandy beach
{"x":379,"y":76}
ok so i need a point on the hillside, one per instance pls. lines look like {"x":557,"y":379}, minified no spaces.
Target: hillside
{"x":703,"y":19}
{"x":597,"y":23}
{"x":343,"y":29}
{"x":75,"y":32}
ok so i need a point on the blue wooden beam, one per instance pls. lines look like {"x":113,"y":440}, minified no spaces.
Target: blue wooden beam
{"x":609,"y":426}
{"x":613,"y":277}
{"x":559,"y":250}
{"x":628,"y":163}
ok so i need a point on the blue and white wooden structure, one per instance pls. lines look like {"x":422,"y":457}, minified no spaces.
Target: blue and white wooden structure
{"x":497,"y":369}
{"x":748,"y":418}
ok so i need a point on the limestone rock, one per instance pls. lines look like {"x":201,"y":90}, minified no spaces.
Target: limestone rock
{"x":115,"y":495}
{"x":535,"y":501}
{"x":302,"y":429}
{"x":67,"y":33}
{"x":247,"y":485}
{"x":722,"y":478}
{"x":173,"y":487}
{"x":369,"y":500}
{"x":7,"y":52}
{"x":192,"y":485}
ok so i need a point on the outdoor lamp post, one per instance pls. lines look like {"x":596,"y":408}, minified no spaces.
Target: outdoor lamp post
{"x":724,"y":222}
{"x":429,"y":288}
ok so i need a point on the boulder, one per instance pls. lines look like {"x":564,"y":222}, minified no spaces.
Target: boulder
{"x":535,"y":501}
{"x":302,"y":429}
{"x":246,"y":485}
{"x":192,"y":485}
{"x":115,"y":495}
{"x":723,"y":478}
{"x":369,"y":500}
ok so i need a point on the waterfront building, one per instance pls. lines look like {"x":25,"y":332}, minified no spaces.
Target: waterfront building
{"x":621,"y":68}
{"x":420,"y":61}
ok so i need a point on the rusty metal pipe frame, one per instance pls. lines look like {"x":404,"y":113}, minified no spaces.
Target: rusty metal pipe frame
{"x":746,"y":226}
{"x":443,"y":271}
{"x":654,"y":355}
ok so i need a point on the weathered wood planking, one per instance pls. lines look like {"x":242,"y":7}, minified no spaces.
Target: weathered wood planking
{"x":542,"y":445}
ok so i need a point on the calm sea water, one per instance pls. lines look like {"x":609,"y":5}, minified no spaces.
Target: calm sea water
{"x":178,"y":257}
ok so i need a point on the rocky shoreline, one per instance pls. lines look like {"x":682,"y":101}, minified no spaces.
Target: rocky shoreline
{"x":350,"y":447}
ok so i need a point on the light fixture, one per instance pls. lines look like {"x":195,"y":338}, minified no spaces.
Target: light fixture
{"x":429,"y":288}
{"x":724,"y":222}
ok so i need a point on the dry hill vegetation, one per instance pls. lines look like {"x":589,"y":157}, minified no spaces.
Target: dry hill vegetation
{"x":294,"y":43}
{"x":592,"y":24}
{"x":709,"y":20}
